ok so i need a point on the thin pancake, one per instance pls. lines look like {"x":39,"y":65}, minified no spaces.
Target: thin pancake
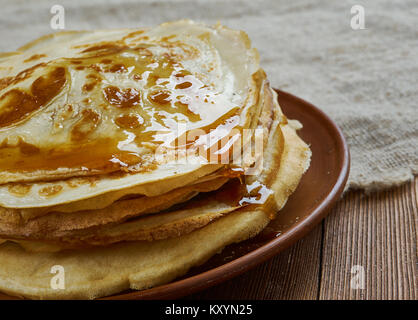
{"x":99,"y":202}
{"x":138,"y":265}
{"x":103,"y":101}
{"x":57,"y":225}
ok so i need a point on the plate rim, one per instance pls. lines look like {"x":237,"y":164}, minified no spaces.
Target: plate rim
{"x":229,"y":270}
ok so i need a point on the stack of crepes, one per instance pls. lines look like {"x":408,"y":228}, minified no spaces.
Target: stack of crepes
{"x":108,"y":165}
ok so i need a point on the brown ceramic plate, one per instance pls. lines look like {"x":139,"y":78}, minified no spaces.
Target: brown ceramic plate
{"x":319,"y":189}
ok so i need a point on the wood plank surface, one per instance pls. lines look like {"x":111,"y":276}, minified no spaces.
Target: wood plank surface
{"x":379,"y":233}
{"x":375,"y":232}
{"x":292,"y":274}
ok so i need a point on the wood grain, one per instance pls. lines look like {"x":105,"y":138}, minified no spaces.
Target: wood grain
{"x":292,"y":274}
{"x":376,"y":231}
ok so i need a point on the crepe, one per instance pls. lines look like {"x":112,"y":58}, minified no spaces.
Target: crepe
{"x":55,"y":225}
{"x":105,"y":201}
{"x":139,"y":265}
{"x":65,"y":227}
{"x":111,"y":103}
{"x":112,"y":206}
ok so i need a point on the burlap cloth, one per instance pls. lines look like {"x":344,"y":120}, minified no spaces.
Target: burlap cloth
{"x":366,"y":80}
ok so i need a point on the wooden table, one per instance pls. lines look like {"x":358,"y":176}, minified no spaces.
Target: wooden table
{"x":377,"y":232}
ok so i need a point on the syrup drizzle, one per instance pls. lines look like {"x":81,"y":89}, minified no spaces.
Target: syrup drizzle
{"x":157,"y":94}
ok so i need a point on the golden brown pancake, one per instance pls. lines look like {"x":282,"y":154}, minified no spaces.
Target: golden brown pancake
{"x":111,"y":205}
{"x":102,"y":271}
{"x":58,"y":226}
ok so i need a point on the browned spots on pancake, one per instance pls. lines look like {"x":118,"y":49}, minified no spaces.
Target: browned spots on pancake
{"x":160,"y":97}
{"x":94,"y":79}
{"x":182,"y":73}
{"x":89,"y":86}
{"x":184,"y":109}
{"x":16,"y":104}
{"x":74,"y":183}
{"x":63,"y":116}
{"x":117,"y":175}
{"x":125,"y":98}
{"x":133,"y":34}
{"x":23,"y":147}
{"x":50,"y":191}
{"x":85,"y":126}
{"x":5,"y":82}
{"x":27,"y":72}
{"x":27,"y":148}
{"x":104,"y":49}
{"x":117,"y":68}
{"x":47,"y":87}
{"x":20,"y":190}
{"x":35,"y":57}
{"x":184,"y":85}
{"x":95,"y":67}
{"x":152,"y":79}
{"x":166,"y":38}
{"x":144,"y":51}
{"x":91,"y":180}
{"x":180,"y":104}
{"x":127,"y":122}
{"x":147,"y":168}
